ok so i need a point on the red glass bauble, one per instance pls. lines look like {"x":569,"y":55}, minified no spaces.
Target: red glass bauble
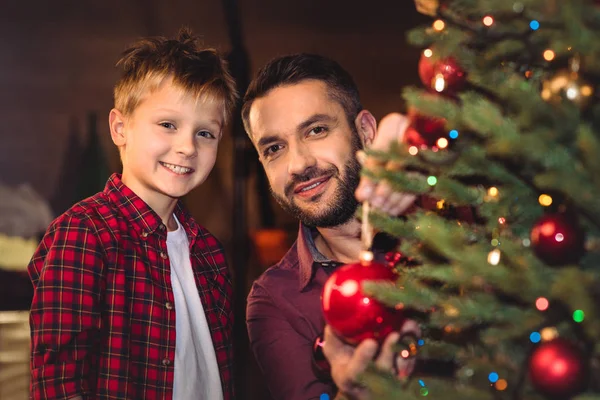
{"x":424,"y":131}
{"x":557,"y":369}
{"x":426,"y":70}
{"x":557,"y":239}
{"x":353,"y":315}
{"x":443,"y":76}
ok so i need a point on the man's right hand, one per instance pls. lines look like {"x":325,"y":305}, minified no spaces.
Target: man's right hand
{"x":348,"y":362}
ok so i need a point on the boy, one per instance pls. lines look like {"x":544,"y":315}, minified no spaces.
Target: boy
{"x":131,"y":295}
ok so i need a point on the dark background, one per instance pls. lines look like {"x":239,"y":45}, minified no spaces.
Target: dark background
{"x":57,"y":73}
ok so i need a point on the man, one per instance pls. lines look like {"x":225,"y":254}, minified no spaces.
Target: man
{"x":304,"y":116}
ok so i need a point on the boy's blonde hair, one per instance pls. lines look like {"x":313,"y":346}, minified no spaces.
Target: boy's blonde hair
{"x":201,"y":72}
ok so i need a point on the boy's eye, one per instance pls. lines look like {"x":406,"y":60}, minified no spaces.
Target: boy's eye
{"x":167,"y":125}
{"x":206,"y":134}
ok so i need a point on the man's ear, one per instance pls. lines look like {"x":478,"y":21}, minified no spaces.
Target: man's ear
{"x":366,"y":126}
{"x":116,"y":122}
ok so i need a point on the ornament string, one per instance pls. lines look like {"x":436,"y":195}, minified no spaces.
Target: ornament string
{"x":366,"y":234}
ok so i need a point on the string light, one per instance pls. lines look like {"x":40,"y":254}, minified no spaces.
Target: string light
{"x":453,"y":134}
{"x":494,"y":257}
{"x":488,"y":20}
{"x":549,"y":55}
{"x":549,"y":333}
{"x":578,"y":316}
{"x":534,"y":25}
{"x":545,"y":200}
{"x":439,"y":83}
{"x":439,"y":25}
{"x":493,"y":377}
{"x":542,"y":304}
{"x":535,"y":337}
{"x":442,"y":143}
{"x":493,"y":191}
{"x":427,"y":53}
{"x":501,"y":384}
{"x":501,"y":220}
{"x":431,"y":181}
{"x":413,"y":150}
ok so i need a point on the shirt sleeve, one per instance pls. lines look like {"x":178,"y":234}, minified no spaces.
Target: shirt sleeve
{"x":284,"y":355}
{"x":66,"y":271}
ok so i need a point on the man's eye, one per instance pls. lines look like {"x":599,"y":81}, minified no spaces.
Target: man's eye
{"x":269,"y":151}
{"x":206,"y":134}
{"x":317,"y":130}
{"x":167,"y":125}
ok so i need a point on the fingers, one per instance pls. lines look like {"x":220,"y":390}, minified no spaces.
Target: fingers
{"x":363,"y":354}
{"x":391,"y":129}
{"x":332,"y":346}
{"x":385,"y":361}
{"x":380,"y":194}
{"x":383,"y":197}
{"x":405,"y":366}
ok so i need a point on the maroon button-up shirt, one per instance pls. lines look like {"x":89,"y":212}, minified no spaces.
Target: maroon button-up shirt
{"x":284,"y":317}
{"x":103,"y":316}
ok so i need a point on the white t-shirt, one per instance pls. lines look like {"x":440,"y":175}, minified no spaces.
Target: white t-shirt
{"x":196,"y":369}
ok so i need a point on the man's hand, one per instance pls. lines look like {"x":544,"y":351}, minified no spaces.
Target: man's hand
{"x":347,"y":362}
{"x":380,"y":195}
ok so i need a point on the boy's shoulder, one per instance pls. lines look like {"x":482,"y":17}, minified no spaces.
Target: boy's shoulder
{"x":94,"y":212}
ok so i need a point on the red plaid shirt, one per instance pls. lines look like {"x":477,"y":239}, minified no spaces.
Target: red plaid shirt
{"x":103,"y":317}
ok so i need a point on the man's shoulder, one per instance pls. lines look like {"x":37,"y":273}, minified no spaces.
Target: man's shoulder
{"x":285,"y":271}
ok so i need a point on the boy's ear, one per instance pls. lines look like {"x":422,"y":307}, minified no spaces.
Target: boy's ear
{"x":116,"y":122}
{"x":366,"y":125}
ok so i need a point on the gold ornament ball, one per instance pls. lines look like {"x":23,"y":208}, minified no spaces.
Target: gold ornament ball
{"x":570,"y":85}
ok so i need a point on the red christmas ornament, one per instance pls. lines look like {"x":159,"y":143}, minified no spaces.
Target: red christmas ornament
{"x":322,"y":367}
{"x":443,"y":76}
{"x":424,"y":131}
{"x":353,"y":315}
{"x":426,"y":70}
{"x":557,"y":239}
{"x":557,"y":369}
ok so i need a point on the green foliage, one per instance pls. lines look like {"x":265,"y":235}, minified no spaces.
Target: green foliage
{"x":473,"y":285}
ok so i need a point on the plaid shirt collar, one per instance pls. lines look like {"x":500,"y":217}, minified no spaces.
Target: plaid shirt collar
{"x":142,"y":218}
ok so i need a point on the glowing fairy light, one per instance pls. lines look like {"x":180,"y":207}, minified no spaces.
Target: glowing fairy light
{"x":427,"y":53}
{"x":488,"y":20}
{"x":442,"y":143}
{"x":494,"y":257}
{"x":413,"y":150}
{"x":439,"y":83}
{"x":545,"y":200}
{"x":549,"y":55}
{"x":534,"y":25}
{"x":439,"y":25}
{"x":542,"y":303}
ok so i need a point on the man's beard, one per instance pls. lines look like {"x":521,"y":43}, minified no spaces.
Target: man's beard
{"x":341,"y":208}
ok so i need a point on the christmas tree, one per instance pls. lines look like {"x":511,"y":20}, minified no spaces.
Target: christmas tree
{"x":506,"y":123}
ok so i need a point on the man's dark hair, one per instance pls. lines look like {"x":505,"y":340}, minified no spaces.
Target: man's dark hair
{"x":292,"y":69}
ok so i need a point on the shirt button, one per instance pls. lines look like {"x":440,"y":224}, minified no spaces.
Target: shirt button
{"x":144,"y":234}
{"x":163,"y":227}
{"x":169,"y":305}
{"x":166,"y":362}
{"x":163,"y":255}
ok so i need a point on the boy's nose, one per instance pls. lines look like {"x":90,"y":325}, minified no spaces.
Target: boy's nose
{"x":186,"y":146}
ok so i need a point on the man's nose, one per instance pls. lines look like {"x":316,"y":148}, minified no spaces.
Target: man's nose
{"x":300,"y":158}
